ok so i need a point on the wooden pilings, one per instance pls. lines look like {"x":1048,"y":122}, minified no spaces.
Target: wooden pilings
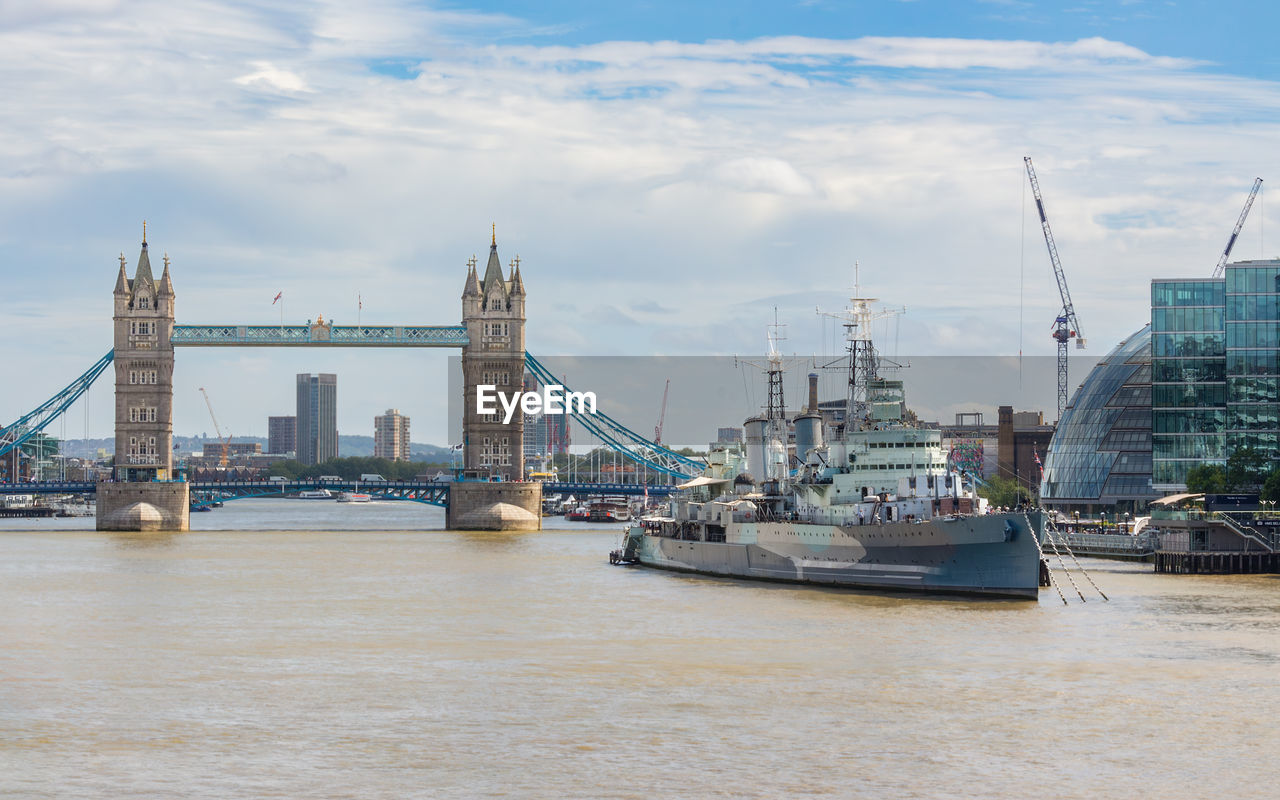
{"x":1217,"y":563}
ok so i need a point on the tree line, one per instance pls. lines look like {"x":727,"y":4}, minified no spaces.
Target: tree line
{"x":1247,"y":470}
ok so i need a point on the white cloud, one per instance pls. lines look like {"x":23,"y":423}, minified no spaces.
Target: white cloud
{"x":267,"y":76}
{"x":269,"y":154}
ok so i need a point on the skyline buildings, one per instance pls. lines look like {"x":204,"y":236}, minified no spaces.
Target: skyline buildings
{"x":282,"y":435}
{"x":391,"y":436}
{"x":317,"y":417}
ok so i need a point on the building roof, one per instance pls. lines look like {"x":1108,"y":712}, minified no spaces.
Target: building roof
{"x":1174,"y":499}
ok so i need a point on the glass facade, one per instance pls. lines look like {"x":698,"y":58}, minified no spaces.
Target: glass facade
{"x":1100,"y":455}
{"x":1197,"y":384}
{"x":1189,"y":388}
{"x":1253,"y":341}
{"x":1214,"y":369}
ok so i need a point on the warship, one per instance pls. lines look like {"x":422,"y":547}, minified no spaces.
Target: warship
{"x":868,"y":500}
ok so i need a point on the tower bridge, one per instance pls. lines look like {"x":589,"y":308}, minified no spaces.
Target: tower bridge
{"x":145,"y":493}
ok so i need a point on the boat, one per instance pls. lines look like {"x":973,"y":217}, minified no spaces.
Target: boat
{"x":609,"y":509}
{"x":354,"y":497}
{"x":868,"y":501}
{"x":315,"y":494}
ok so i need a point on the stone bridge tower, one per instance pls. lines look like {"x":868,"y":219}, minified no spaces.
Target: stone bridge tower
{"x":493,"y":314}
{"x":142,"y":495}
{"x":144,"y":372}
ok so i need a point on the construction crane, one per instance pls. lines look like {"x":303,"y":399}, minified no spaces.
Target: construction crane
{"x":1244,"y":214}
{"x":662,"y":415}
{"x":222,"y":462}
{"x":1066,"y":327}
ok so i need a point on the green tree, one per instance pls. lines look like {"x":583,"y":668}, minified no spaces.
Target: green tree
{"x":1246,"y":469}
{"x":1005,"y":492}
{"x":1210,"y":478}
{"x":1271,"y":487}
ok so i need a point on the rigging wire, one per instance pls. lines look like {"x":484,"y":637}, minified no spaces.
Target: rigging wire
{"x":1022,"y":275}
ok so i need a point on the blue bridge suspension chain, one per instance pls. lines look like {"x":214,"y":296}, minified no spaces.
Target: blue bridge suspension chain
{"x":621,"y":438}
{"x":33,"y":422}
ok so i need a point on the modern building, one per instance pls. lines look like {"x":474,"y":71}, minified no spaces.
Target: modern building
{"x":317,"y":419}
{"x":391,"y":436}
{"x":1100,"y":455}
{"x":1215,"y":354}
{"x":282,"y":435}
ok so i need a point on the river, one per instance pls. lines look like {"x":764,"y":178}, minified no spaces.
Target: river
{"x":344,"y":651}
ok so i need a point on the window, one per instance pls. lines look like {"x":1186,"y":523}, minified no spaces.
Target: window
{"x":144,"y":302}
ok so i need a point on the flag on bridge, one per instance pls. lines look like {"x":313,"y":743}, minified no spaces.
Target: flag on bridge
{"x":277,"y":297}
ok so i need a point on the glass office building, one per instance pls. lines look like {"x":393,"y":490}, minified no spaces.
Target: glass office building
{"x":1188,"y":382}
{"x":1197,"y":384}
{"x":1100,"y":455}
{"x":1214,"y":358}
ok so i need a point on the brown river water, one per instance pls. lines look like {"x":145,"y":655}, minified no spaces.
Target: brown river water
{"x":313,"y":659}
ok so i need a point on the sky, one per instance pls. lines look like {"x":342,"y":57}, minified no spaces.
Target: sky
{"x":671,"y":176}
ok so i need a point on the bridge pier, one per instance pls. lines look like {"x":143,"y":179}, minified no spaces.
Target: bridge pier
{"x":489,"y":506}
{"x":144,"y":506}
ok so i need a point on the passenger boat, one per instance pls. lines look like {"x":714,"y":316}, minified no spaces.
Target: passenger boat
{"x":354,"y":497}
{"x":315,"y":494}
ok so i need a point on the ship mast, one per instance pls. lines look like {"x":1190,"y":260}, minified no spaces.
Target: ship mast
{"x":864,"y":364}
{"x":776,"y":410}
{"x":775,"y":432}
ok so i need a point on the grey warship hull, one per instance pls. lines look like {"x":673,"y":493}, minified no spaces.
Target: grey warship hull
{"x":990,"y":554}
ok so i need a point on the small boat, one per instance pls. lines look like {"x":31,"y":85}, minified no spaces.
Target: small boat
{"x":354,"y":497}
{"x":315,"y":494}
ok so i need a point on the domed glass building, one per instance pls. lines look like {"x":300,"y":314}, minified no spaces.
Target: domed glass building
{"x":1100,"y":456}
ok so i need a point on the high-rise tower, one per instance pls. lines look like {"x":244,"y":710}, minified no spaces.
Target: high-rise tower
{"x":143,"y":320}
{"x":493,"y":314}
{"x":317,"y":418}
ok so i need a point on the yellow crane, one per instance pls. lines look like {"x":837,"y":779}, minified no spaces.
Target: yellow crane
{"x":224,"y":442}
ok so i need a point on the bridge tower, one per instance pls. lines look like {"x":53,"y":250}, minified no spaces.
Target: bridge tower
{"x":493,"y":314}
{"x":144,"y":372}
{"x":143,"y":495}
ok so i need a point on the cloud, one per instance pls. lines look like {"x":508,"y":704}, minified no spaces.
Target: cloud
{"x":268,"y":76}
{"x":647,"y":186}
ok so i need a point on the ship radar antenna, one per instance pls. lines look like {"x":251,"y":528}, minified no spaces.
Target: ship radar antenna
{"x":861,"y":361}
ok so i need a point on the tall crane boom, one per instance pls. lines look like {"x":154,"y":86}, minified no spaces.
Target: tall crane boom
{"x":224,"y":442}
{"x":662,"y":415}
{"x":1066,"y":326}
{"x":1235,"y":234}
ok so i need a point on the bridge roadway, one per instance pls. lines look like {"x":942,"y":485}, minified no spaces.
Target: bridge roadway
{"x":429,"y":492}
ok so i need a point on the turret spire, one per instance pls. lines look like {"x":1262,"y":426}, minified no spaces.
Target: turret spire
{"x":122,"y":279}
{"x":166,"y":283}
{"x":493,"y":270}
{"x":472,"y":288}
